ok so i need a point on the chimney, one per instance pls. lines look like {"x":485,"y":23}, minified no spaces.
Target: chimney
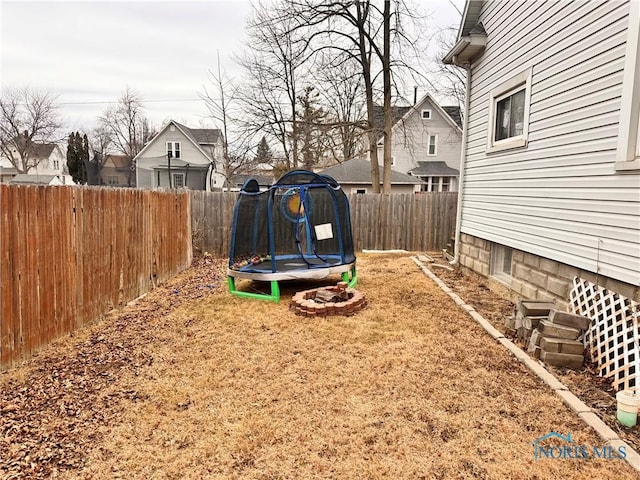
{"x":415,"y":94}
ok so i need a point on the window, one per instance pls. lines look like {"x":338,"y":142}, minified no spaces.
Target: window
{"x":359,"y":191}
{"x":628,"y":150}
{"x":178,"y":180}
{"x":173,"y":149}
{"x":56,"y":164}
{"x":501,"y":257}
{"x":433,"y":142}
{"x":445,"y":184}
{"x":426,"y":114}
{"x":112,"y":180}
{"x":509,"y":113}
{"x":509,"y":116}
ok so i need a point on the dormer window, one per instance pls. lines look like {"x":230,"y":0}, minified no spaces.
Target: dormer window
{"x":173,"y":149}
{"x":426,"y":114}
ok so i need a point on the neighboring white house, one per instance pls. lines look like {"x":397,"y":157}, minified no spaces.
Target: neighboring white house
{"x":354,"y":176}
{"x":426,"y":141}
{"x":181,"y":157}
{"x":47,"y":160}
{"x":551,"y":166}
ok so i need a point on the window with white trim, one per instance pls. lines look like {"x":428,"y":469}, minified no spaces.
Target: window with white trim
{"x":432,"y":148}
{"x":173,"y":149}
{"x":359,"y":190}
{"x":178,"y":180}
{"x":501,"y":261}
{"x":509,"y":113}
{"x":425,"y":114}
{"x":56,"y":164}
{"x":628,"y":149}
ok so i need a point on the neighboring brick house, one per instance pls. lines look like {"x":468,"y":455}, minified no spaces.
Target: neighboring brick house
{"x":181,"y":157}
{"x":426,"y":142}
{"x":550,"y":178}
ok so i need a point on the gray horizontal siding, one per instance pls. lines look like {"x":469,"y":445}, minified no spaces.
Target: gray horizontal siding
{"x":560,"y":197}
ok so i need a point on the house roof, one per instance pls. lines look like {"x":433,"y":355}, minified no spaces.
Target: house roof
{"x":358,"y":170}
{"x":455,"y":113}
{"x":41,"y":150}
{"x":434,"y":169}
{"x":472,"y":37}
{"x":31,"y":179}
{"x":451,"y":114}
{"x":263,"y":180}
{"x":119,"y":161}
{"x":205,"y":135}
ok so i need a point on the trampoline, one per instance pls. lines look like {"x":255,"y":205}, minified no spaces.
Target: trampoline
{"x":300,"y":228}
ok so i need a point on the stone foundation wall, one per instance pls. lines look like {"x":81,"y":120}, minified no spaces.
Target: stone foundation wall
{"x":534,"y":277}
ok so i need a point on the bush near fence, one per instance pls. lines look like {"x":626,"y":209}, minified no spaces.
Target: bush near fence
{"x":70,"y":255}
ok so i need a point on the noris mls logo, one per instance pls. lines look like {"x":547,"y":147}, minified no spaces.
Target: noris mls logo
{"x":560,"y":447}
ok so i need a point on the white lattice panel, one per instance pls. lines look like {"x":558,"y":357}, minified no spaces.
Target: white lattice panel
{"x":612,"y":339}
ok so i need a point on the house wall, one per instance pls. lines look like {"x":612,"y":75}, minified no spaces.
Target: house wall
{"x":410,"y":139}
{"x":534,"y":277}
{"x":156,"y":153}
{"x":559,"y":198}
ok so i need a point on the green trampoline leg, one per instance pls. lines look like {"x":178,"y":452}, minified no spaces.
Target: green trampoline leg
{"x":354,"y":277}
{"x":274,"y":297}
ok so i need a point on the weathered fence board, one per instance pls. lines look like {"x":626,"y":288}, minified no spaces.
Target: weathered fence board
{"x":69,"y":255}
{"x":394,"y":221}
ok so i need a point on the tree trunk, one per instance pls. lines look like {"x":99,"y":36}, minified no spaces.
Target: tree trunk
{"x":386,"y":72}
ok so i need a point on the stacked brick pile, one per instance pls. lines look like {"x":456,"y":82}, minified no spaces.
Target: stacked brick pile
{"x":552,"y":335}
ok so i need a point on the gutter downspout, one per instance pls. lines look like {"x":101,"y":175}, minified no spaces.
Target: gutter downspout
{"x":463,"y":156}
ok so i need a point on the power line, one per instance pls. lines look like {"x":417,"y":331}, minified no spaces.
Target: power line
{"x":97,"y":102}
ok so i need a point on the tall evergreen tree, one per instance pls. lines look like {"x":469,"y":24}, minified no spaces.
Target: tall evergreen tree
{"x":263,"y":153}
{"x":76,"y":157}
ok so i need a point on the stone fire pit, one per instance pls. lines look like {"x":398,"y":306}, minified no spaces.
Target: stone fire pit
{"x":325,"y":301}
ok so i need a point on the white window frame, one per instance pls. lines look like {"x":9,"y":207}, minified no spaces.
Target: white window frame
{"x":428,"y":116}
{"x":171,"y":147}
{"x":498,"y":256}
{"x":628,"y":149}
{"x":174,"y":177}
{"x":435,"y":146}
{"x":355,"y":189}
{"x":56,"y":164}
{"x":504,"y":90}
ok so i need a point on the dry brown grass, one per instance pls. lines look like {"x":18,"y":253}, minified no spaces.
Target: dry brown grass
{"x":410,"y":387}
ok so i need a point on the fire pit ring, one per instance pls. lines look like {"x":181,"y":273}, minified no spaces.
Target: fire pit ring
{"x":325,"y":301}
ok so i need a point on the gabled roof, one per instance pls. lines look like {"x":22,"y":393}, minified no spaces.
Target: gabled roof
{"x":118,"y":161}
{"x":434,"y":169}
{"x":451,"y":115}
{"x":31,"y":179}
{"x":198,"y":136}
{"x":359,"y":171}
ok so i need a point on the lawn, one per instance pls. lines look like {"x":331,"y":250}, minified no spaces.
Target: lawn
{"x":191,"y":382}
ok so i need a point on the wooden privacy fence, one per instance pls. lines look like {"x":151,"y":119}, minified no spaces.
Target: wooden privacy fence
{"x":415,"y":222}
{"x":69,"y":255}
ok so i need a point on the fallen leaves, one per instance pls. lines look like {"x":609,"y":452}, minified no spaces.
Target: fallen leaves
{"x":51,"y":417}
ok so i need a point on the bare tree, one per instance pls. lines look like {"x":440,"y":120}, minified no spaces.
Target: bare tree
{"x":362,"y":31}
{"x":127,"y":127}
{"x":342,"y":94}
{"x":27,"y":118}
{"x":275,"y":64}
{"x":221,"y":103}
{"x":448,"y":80}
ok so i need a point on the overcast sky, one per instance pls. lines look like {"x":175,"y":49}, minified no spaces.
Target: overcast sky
{"x":88,"y":52}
